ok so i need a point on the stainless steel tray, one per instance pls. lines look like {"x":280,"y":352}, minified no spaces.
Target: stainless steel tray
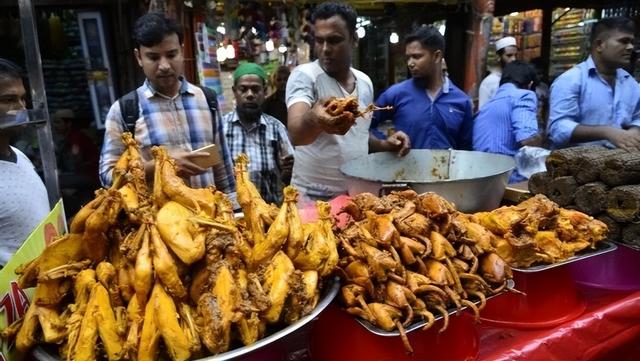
{"x":418,"y":325}
{"x":632,"y":246}
{"x":330,"y":292}
{"x":601,"y":248}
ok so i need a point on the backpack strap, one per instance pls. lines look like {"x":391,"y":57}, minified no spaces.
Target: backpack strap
{"x":212,"y":98}
{"x":130,"y":111}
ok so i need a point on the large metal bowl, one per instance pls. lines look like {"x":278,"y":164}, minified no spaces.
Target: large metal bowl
{"x":473,"y":181}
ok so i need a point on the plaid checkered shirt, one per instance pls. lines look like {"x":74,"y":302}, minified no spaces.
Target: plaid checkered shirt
{"x":183,"y":121}
{"x":265,"y":143}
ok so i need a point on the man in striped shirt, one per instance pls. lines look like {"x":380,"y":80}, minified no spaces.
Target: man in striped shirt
{"x":262,"y":137}
{"x":172,"y":112}
{"x":510,"y":119}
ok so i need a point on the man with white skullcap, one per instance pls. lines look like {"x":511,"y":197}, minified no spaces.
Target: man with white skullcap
{"x":506,"y":49}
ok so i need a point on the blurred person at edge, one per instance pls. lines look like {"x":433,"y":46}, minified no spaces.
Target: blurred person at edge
{"x":507,"y":51}
{"x":262,"y":137}
{"x":23,"y":197}
{"x":275,"y":104}
{"x":509,"y":120}
{"x":597,"y":102}
{"x":172,"y":112}
{"x":323,"y":143}
{"x":428,"y":108}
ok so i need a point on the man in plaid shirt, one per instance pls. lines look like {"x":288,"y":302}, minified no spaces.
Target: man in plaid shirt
{"x":262,"y":137}
{"x":172,"y":112}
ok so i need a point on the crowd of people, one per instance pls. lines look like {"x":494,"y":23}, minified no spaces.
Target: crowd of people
{"x":290,"y":137}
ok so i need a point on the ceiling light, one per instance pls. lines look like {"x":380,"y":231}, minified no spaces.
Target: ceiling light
{"x":221,"y":54}
{"x":221,"y":29}
{"x":230,"y":51}
{"x":393,"y":38}
{"x":361,"y":33}
{"x":269,"y":45}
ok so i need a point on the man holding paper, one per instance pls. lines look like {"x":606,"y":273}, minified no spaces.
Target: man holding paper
{"x":262,"y":137}
{"x":168,"y":111}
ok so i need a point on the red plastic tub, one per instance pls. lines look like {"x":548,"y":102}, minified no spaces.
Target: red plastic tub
{"x":615,"y":271}
{"x":551,"y":299}
{"x":336,"y":335}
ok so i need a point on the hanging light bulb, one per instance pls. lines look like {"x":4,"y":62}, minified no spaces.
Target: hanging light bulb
{"x":393,"y":38}
{"x":230,"y":51}
{"x":442,"y":29}
{"x":221,"y":54}
{"x":221,"y":29}
{"x":282,"y":48}
{"x":269,"y":46}
{"x":361,"y":32}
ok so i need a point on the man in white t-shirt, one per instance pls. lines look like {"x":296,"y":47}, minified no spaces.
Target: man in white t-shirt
{"x":323,"y":143}
{"x":507,"y":51}
{"x":23,"y":197}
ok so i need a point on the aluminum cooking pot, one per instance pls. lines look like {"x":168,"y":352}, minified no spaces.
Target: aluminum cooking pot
{"x":473,"y":181}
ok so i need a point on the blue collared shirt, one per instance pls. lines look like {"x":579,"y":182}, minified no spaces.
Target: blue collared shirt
{"x":443,"y":123}
{"x":506,"y":120}
{"x":581,"y":97}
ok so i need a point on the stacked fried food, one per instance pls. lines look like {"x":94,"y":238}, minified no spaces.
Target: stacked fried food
{"x":406,"y":256}
{"x":168,"y":272}
{"x":539,"y":231}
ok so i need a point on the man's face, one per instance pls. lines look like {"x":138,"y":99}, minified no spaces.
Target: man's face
{"x":615,"y":47}
{"x":162,"y":64}
{"x":334,"y":44}
{"x":281,"y":80}
{"x":249,"y":94}
{"x":12,"y":95}
{"x":510,"y":54}
{"x":422,"y":63}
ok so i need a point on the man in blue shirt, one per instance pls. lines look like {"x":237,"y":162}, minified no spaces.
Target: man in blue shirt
{"x":597,"y":102}
{"x":433,"y":112}
{"x":509,"y":120}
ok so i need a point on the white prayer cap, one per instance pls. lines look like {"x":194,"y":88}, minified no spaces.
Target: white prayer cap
{"x":504,"y":42}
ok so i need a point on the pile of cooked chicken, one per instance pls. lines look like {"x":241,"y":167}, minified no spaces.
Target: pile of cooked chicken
{"x":406,"y":256}
{"x":539,"y":231}
{"x":169,"y":272}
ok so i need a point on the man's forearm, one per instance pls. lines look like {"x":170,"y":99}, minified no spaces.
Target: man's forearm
{"x":303,"y":130}
{"x":377,"y":145}
{"x":588,"y":133}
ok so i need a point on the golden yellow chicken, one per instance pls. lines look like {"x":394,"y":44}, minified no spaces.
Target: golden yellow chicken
{"x":175,"y":188}
{"x":166,"y":315}
{"x":179,"y":233}
{"x":276,"y":285}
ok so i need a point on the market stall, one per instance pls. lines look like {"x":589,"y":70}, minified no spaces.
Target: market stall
{"x":416,"y":276}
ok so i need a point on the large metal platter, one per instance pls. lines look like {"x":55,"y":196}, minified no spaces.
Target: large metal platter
{"x":601,"y":248}
{"x":632,"y":246}
{"x":330,"y":292}
{"x":418,"y":325}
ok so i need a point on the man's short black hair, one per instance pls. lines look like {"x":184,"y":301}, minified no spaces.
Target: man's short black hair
{"x":428,"y":36}
{"x":519,"y":73}
{"x":326,"y":10}
{"x":10,"y":70}
{"x":619,"y":23}
{"x":150,"y":29}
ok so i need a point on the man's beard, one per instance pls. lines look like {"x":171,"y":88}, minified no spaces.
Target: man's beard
{"x":249,"y":113}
